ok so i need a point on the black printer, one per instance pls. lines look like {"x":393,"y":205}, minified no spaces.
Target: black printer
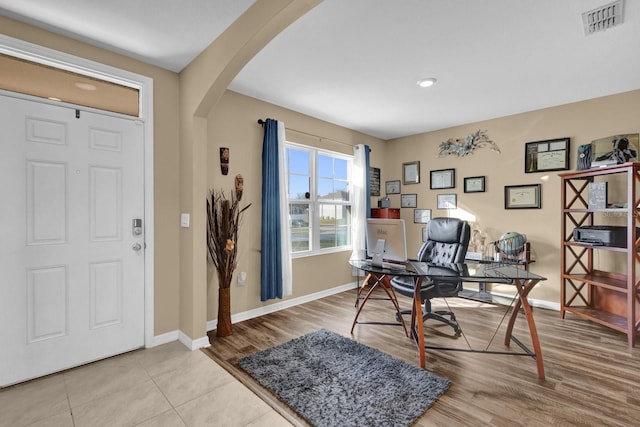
{"x":602,"y":235}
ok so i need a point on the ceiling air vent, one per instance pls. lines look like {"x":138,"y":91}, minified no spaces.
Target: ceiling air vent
{"x":603,"y":17}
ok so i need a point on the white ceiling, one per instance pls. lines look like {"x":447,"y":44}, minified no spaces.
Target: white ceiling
{"x":355,"y":63}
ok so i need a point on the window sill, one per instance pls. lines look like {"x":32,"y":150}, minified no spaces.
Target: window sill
{"x":307,"y":254}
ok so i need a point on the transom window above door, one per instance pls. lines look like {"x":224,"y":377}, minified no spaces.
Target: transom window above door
{"x":43,"y":81}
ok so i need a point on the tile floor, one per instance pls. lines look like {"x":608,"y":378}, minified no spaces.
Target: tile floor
{"x":163,"y":386}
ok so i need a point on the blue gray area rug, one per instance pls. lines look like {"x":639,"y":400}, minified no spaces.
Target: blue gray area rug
{"x":330,"y":380}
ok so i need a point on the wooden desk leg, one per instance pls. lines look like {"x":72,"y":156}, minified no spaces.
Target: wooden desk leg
{"x":361,"y":288}
{"x":363,"y":285}
{"x":417,"y":326}
{"x":379,"y":281}
{"x":523,"y":291}
{"x":392,"y":296}
{"x":361,"y":306}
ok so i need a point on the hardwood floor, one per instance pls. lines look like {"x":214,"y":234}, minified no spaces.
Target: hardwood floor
{"x":592,"y":377}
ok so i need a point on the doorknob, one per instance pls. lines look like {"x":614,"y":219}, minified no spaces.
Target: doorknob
{"x":136,"y":247}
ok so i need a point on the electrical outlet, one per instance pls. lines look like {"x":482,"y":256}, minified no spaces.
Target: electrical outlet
{"x":242,"y":278}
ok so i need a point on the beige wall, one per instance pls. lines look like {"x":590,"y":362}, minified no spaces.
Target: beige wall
{"x":186,"y":166}
{"x":582,"y":122}
{"x":165,"y":110}
{"x":233,"y":123}
{"x":202,"y":84}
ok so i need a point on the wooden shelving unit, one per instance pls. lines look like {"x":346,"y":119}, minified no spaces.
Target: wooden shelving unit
{"x":611,"y":298}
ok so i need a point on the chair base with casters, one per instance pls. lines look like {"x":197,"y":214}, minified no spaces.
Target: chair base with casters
{"x":444,"y":250}
{"x":429,"y":291}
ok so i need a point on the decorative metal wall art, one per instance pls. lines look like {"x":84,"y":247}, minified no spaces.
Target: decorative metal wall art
{"x":463,"y":146}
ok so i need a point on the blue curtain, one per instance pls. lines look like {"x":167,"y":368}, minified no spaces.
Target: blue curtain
{"x":367,"y":184}
{"x":271,"y":255}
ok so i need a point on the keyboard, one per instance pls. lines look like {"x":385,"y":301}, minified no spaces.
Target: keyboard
{"x":416,"y":267}
{"x":389,"y":265}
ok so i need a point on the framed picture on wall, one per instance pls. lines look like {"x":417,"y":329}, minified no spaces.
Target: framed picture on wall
{"x":522,"y":196}
{"x":444,"y":178}
{"x":474,"y":184}
{"x":447,"y":201}
{"x":392,"y":187}
{"x":411,"y":173}
{"x":549,"y":155}
{"x":421,"y":216}
{"x":408,"y":200}
{"x":374,"y":181}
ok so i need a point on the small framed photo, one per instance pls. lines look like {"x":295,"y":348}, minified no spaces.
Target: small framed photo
{"x":522,"y":196}
{"x":421,"y":216}
{"x":424,"y":234}
{"x":474,"y":184}
{"x":408,"y":200}
{"x":447,"y":201}
{"x":543,"y":156}
{"x":411,"y":173}
{"x":392,"y":187}
{"x":374,"y":181}
{"x":614,"y":150}
{"x":444,"y":178}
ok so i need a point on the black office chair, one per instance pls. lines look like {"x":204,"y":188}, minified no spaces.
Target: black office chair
{"x":447,"y":242}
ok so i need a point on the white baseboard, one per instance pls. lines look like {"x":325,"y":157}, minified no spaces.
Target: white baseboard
{"x":281,"y":305}
{"x":539,"y":303}
{"x":164,"y":338}
{"x":178,"y":335}
{"x":544,"y":304}
{"x":193,"y":344}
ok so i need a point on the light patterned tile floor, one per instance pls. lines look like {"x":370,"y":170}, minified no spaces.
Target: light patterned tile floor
{"x":164,"y":386}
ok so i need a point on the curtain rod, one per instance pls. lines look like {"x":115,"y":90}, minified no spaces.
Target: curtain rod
{"x":262,"y":123}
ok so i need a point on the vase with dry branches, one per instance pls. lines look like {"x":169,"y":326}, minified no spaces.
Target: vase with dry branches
{"x":223,"y":221}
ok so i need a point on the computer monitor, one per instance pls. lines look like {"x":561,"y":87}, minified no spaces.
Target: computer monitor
{"x":386,"y":240}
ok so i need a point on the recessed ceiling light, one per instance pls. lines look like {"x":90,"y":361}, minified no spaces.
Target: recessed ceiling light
{"x":426,"y":82}
{"x":85,"y":86}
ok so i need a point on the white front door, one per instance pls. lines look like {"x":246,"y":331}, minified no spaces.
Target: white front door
{"x":71,"y":262}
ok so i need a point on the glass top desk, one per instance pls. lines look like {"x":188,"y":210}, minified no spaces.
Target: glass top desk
{"x":523,"y":281}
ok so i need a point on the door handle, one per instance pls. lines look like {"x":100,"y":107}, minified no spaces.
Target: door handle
{"x":136,"y":227}
{"x":136,"y":247}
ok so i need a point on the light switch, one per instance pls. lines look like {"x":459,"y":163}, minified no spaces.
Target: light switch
{"x":185,"y":220}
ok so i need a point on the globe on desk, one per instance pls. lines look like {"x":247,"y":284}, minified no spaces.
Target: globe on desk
{"x":512,"y":243}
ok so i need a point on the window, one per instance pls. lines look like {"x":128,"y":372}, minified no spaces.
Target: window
{"x":319,"y":199}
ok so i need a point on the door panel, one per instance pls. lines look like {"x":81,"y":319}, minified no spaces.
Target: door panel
{"x":46,"y":202}
{"x":105,"y":193}
{"x":106,"y":294}
{"x":47,"y":294}
{"x":72,"y":286}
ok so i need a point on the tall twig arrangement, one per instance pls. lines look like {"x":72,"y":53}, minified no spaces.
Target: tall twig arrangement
{"x":223,"y":221}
